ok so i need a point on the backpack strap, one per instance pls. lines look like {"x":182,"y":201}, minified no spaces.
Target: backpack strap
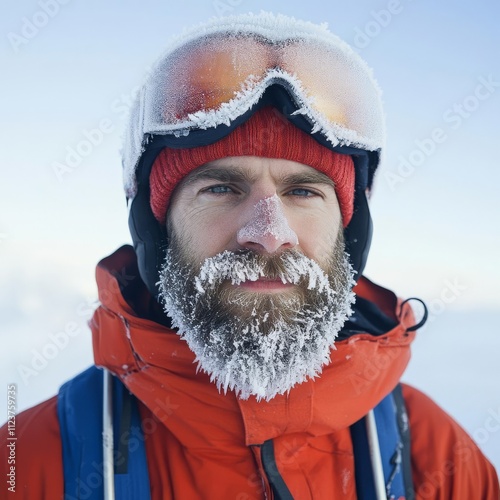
{"x":79,"y":409}
{"x":404,"y":432}
{"x":393,"y":436}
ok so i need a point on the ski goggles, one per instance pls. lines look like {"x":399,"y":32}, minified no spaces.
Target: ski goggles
{"x":215,"y":75}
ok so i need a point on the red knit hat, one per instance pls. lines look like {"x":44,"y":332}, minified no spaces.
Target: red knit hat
{"x":268,"y":134}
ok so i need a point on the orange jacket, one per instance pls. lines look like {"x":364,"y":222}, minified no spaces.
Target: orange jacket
{"x":203,"y":444}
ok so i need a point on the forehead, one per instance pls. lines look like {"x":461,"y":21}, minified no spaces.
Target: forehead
{"x":252,"y":168}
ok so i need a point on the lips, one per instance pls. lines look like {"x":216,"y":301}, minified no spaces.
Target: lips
{"x":266,"y":285}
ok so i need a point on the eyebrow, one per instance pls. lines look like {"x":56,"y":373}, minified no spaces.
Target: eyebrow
{"x":234,"y":174}
{"x":217,"y":174}
{"x":309,"y":177}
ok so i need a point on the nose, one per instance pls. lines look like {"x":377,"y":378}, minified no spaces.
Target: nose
{"x":267,"y":227}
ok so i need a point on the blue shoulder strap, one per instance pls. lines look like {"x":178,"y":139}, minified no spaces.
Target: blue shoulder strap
{"x":79,"y":409}
{"x":393,"y":435}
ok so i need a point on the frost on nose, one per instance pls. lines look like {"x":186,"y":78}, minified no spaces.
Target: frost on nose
{"x":268,"y":226}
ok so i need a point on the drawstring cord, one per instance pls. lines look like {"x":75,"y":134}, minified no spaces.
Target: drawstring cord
{"x":422,"y":322}
{"x":107,"y":436}
{"x":375,"y":457}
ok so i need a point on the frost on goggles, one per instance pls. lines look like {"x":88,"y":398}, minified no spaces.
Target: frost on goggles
{"x":214,"y":77}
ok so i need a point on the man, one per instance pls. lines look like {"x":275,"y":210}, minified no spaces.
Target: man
{"x":244,"y":354}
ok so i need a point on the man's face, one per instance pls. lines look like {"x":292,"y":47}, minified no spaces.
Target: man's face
{"x":215,"y":202}
{"x":255,"y":277}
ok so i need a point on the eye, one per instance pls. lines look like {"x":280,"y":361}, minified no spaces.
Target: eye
{"x":302,"y":192}
{"x":220,"y":189}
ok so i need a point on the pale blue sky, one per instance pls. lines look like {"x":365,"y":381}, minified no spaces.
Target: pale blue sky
{"x":436,"y":228}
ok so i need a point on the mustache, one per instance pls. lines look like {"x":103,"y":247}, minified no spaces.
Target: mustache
{"x":239,"y":266}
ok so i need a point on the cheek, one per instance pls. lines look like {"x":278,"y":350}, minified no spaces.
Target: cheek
{"x":318,"y":231}
{"x":203,"y":233}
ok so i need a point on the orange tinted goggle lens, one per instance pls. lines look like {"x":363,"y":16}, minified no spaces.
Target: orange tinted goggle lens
{"x":207,"y":73}
{"x":212,"y":70}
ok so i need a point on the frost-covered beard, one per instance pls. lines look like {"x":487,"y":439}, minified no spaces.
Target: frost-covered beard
{"x":259,"y":344}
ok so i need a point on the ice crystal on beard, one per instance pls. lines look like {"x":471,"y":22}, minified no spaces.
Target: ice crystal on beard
{"x":226,"y":266}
